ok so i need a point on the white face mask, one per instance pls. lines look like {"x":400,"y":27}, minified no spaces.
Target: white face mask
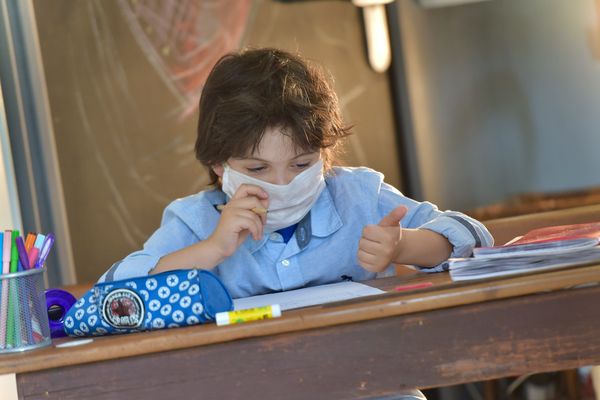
{"x":288,"y":204}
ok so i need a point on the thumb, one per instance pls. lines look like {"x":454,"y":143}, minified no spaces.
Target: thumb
{"x":394,"y":217}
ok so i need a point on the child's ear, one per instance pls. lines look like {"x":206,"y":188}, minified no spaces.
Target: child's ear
{"x":218,"y":169}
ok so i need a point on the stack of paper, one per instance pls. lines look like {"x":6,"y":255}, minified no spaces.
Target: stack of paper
{"x":521,"y":258}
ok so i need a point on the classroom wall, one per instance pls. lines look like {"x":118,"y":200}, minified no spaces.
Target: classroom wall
{"x":504,"y":96}
{"x":123,"y":82}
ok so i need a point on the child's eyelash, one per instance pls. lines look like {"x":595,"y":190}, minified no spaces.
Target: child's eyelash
{"x":257,"y":169}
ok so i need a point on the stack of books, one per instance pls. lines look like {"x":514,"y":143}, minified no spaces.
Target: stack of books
{"x":539,"y":249}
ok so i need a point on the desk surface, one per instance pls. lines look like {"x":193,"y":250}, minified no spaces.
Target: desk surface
{"x":446,"y":334}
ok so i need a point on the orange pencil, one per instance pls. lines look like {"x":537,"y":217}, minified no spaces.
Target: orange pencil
{"x":256,"y":210}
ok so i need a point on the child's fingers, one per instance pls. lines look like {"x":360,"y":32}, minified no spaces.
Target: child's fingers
{"x":368,"y":261}
{"x":247,"y":220}
{"x":394,"y":217}
{"x":378,"y":233}
{"x":384,"y":251}
{"x":364,"y":258}
{"x":369,"y":246}
{"x":247,"y":203}
{"x":246,"y":190}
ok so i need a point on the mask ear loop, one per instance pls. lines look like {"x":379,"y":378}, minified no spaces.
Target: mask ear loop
{"x":220,"y":180}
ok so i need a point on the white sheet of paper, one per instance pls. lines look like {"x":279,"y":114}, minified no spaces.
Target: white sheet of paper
{"x":309,"y":296}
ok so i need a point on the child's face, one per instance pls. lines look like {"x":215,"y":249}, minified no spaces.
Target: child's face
{"x":275,"y":160}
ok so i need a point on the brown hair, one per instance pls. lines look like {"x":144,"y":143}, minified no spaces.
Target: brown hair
{"x":249,"y":91}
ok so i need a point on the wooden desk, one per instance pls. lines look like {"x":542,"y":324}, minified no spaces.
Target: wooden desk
{"x":446,"y":334}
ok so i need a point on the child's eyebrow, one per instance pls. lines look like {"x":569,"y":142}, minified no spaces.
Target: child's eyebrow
{"x":304,"y":154}
{"x":249,"y":158}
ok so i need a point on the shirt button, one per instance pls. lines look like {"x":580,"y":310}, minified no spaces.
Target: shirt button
{"x":285,"y":263}
{"x":274,"y":236}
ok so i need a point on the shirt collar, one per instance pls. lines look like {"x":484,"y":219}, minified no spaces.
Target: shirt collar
{"x":324,"y":220}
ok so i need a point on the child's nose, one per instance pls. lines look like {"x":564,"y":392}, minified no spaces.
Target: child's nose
{"x":283,"y":178}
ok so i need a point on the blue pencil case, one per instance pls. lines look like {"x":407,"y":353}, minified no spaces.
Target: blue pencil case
{"x":167,"y":300}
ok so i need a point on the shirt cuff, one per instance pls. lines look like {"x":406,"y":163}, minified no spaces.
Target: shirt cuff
{"x":462,"y":234}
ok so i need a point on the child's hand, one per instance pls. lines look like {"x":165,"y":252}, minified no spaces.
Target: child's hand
{"x":238,"y":220}
{"x":380,"y":244}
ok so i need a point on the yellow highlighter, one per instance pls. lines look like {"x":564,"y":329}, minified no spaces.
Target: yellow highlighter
{"x":250,"y":314}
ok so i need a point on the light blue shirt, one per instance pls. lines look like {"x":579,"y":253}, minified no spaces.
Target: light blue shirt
{"x":324,"y":247}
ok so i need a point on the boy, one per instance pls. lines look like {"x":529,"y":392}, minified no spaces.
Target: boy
{"x":280,"y":216}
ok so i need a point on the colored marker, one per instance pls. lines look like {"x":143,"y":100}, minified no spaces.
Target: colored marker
{"x":48,"y":242}
{"x":29,"y":241}
{"x":24,"y":261}
{"x":4,"y":302}
{"x":13,"y":334}
{"x":23,"y":304}
{"x":250,"y":314}
{"x":35,"y":250}
{"x":14,"y":253}
{"x":37,"y":330}
{"x":413,"y":286}
{"x":6,"y":252}
{"x":24,"y":264}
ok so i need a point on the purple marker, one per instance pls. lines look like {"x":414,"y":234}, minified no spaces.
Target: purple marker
{"x":48,"y":242}
{"x":24,"y":261}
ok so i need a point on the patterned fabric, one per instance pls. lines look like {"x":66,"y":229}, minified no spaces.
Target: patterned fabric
{"x":167,"y":300}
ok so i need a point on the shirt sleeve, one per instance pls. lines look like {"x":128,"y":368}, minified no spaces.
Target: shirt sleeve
{"x":463,"y":232}
{"x":172,"y":235}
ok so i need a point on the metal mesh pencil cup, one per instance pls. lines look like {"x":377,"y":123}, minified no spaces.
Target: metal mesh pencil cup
{"x":23,"y":315}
